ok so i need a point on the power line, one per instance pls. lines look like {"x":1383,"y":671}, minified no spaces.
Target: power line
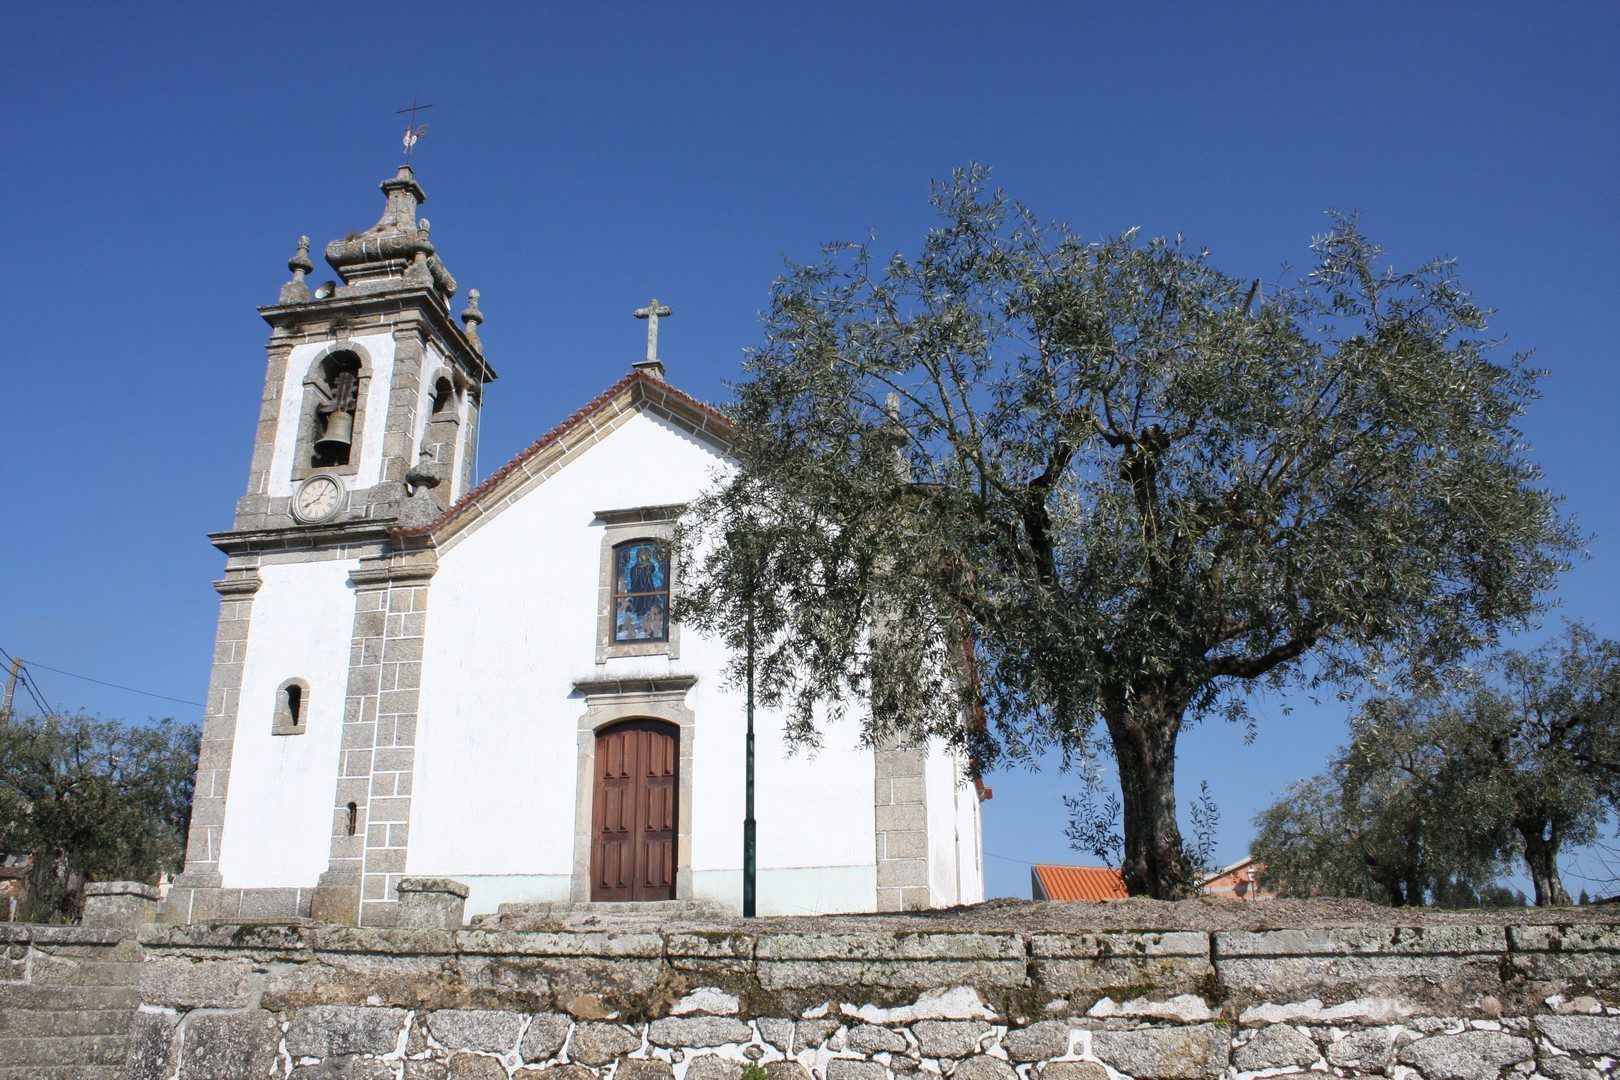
{"x":115,"y":686}
{"x":38,"y":693}
{"x":30,"y":687}
{"x":99,"y":682}
{"x":27,"y":685}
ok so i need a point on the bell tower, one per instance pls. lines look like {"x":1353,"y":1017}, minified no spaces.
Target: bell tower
{"x":366,"y":426}
{"x":372,"y":389}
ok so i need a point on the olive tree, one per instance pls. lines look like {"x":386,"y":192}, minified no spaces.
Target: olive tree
{"x":93,"y":799}
{"x":1390,"y":819}
{"x":1541,"y":736}
{"x":1036,"y":481}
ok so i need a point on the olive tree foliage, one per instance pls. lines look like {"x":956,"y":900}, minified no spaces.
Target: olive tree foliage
{"x":1022,"y":477}
{"x":93,"y":799}
{"x":1390,"y":819}
{"x":1539,"y":736}
{"x":1517,"y":758}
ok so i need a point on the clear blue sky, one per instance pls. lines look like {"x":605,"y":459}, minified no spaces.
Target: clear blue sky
{"x":158,"y":162}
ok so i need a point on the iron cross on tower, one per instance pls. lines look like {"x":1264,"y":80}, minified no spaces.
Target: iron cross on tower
{"x":652,"y":313}
{"x":412,"y":132}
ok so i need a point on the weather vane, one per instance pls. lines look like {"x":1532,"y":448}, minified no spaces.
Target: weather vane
{"x":412,"y":131}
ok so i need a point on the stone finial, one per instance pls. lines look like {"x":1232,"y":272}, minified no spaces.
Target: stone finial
{"x":296,"y":291}
{"x":404,"y":196}
{"x":471,"y":317}
{"x":397,"y":250}
{"x":420,"y":272}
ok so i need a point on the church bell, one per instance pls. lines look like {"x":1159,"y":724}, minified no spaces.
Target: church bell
{"x":339,"y":434}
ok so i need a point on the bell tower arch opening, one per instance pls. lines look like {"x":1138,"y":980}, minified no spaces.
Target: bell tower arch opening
{"x":332,"y":425}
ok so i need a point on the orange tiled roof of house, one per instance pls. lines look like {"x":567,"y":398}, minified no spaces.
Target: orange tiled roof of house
{"x":1077,"y":883}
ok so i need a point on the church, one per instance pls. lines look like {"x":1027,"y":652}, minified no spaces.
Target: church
{"x":417,"y":674}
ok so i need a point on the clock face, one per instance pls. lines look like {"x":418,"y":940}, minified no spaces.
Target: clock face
{"x":317,"y":499}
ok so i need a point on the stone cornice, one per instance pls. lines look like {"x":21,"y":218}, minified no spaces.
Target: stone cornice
{"x":238,"y":583}
{"x":379,"y":570}
{"x":285,"y":317}
{"x":301,"y":537}
{"x":611,"y":685}
{"x":637,"y":515}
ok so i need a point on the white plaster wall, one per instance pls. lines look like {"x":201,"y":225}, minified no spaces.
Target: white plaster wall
{"x":941,"y":772}
{"x":811,"y":890}
{"x":278,"y":817}
{"x":970,"y":850}
{"x":380,"y":348}
{"x":512,"y":622}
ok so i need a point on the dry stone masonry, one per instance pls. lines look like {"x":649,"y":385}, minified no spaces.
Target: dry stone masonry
{"x":1009,"y":991}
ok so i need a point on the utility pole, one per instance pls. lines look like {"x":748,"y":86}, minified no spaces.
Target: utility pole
{"x":11,"y":689}
{"x":749,"y":850}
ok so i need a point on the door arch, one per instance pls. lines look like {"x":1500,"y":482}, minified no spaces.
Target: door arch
{"x":635,"y":811}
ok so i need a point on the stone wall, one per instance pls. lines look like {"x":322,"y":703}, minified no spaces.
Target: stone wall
{"x":69,"y":994}
{"x":1009,"y":992}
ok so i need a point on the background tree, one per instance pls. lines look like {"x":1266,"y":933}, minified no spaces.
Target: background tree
{"x":1128,"y":485}
{"x":1389,"y":819}
{"x":1542,"y":739}
{"x":93,"y":799}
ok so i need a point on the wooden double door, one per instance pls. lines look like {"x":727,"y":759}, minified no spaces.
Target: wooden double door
{"x":634,"y":810}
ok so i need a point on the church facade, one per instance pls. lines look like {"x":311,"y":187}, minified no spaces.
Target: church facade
{"x":415,"y":676}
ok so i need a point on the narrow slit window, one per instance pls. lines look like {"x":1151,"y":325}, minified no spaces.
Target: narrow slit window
{"x":291,"y":704}
{"x":354,"y":819}
{"x":641,"y":591}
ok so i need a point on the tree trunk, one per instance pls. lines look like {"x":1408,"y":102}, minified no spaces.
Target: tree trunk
{"x":1541,"y":842}
{"x":1144,"y":738}
{"x":49,"y":887}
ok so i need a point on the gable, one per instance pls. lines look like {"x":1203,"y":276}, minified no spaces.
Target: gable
{"x":635,"y":396}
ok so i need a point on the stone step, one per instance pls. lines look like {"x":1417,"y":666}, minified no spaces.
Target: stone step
{"x":62,"y":1072}
{"x":641,"y":909}
{"x":85,"y":973}
{"x":53,"y":997}
{"x":35,"y":1022}
{"x":67,"y":1050}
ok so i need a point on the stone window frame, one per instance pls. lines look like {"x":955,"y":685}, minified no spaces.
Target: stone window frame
{"x":621,"y":527}
{"x":610,"y":701}
{"x":304,"y":446}
{"x":282,"y":722}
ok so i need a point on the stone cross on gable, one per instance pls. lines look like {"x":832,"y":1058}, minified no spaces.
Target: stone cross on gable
{"x":652,"y":313}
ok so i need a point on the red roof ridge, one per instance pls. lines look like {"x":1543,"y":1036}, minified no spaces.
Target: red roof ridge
{"x":595,"y":405}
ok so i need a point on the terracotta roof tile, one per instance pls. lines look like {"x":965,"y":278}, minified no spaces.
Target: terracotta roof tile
{"x":1081,"y":882}
{"x":596,"y":404}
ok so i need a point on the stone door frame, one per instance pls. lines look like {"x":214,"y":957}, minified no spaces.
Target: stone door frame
{"x":607,"y":702}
